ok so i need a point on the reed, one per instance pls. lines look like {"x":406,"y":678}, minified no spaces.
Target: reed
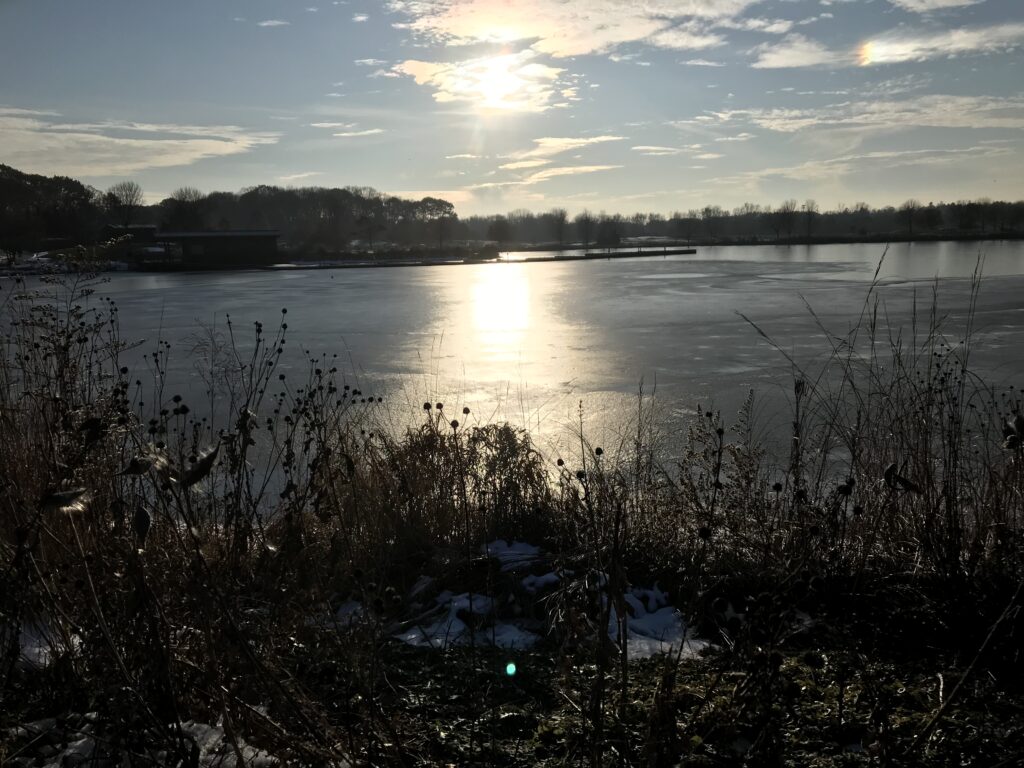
{"x":200,"y":564}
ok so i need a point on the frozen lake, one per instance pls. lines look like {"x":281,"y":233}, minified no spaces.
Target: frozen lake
{"x":528,"y":342}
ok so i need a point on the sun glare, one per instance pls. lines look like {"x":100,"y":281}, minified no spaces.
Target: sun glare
{"x":501,"y":309}
{"x":497,"y":82}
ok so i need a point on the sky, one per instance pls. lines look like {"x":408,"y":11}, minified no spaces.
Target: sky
{"x":615,"y":105}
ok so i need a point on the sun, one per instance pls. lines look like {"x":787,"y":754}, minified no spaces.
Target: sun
{"x":498,"y":82}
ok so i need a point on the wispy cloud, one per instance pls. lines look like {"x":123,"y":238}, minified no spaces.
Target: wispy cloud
{"x":869,"y":163}
{"x":549,"y":146}
{"x":926,"y":6}
{"x":738,"y":137}
{"x":332,"y":125}
{"x":575,"y":170}
{"x":273,"y":23}
{"x":37,"y":142}
{"x":656,"y":151}
{"x":750,"y":24}
{"x":702,"y":63}
{"x":522,"y":164}
{"x":911,"y":46}
{"x":796,"y":50}
{"x":463,"y":156}
{"x":355,"y":134}
{"x":685,"y":37}
{"x":545,"y":175}
{"x":299,"y":176}
{"x":359,"y":18}
{"x":932,"y":111}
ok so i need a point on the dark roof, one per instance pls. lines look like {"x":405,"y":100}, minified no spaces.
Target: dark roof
{"x":219,"y":233}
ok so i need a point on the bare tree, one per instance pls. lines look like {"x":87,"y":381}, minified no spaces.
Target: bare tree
{"x":785,"y":217}
{"x":810,"y":209}
{"x":123,"y":200}
{"x":909,"y":211}
{"x":559,"y":217}
{"x":584,"y":224}
{"x":185,"y":209}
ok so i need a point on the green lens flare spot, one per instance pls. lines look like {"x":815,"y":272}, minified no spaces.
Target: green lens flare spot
{"x":510,"y":668}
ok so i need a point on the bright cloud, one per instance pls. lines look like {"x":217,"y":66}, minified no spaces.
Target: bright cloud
{"x":686,"y":37}
{"x":795,"y":50}
{"x":768,"y":26}
{"x":273,"y":23}
{"x":509,"y":82}
{"x":909,"y":46}
{"x":36,"y":142}
{"x":901,"y":45}
{"x":565,"y":27}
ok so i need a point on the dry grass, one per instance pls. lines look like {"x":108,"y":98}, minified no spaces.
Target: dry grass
{"x":191,"y":585}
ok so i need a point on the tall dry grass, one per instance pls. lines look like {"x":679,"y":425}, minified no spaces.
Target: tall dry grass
{"x":183,"y":570}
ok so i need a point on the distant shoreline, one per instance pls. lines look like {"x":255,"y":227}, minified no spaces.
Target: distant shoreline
{"x":301,"y":262}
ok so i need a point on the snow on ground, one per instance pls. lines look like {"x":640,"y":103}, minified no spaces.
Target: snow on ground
{"x":535,"y":584}
{"x":449,"y":628}
{"x":518,"y":554}
{"x":653,"y":626}
{"x":42,"y":743}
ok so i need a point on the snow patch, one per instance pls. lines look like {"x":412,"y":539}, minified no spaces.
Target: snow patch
{"x":653,"y":626}
{"x":534,"y":584}
{"x":518,"y":554}
{"x":450,"y":629}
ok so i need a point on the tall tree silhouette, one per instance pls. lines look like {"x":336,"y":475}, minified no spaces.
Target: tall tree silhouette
{"x":123,"y":201}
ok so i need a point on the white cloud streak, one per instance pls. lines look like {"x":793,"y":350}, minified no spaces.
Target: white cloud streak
{"x":927,"y":6}
{"x":933,"y":111}
{"x":35,"y":142}
{"x":356,"y":134}
{"x":902,"y":45}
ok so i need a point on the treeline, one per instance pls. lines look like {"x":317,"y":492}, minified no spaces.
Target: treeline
{"x":39,"y":212}
{"x":789,"y":222}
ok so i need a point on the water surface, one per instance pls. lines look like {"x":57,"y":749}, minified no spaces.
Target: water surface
{"x":531,"y":342}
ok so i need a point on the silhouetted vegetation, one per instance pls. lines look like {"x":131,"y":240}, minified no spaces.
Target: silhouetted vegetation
{"x":39,"y":213}
{"x":252,"y":566}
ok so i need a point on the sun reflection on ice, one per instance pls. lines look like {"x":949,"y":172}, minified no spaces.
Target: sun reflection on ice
{"x":501,"y":309}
